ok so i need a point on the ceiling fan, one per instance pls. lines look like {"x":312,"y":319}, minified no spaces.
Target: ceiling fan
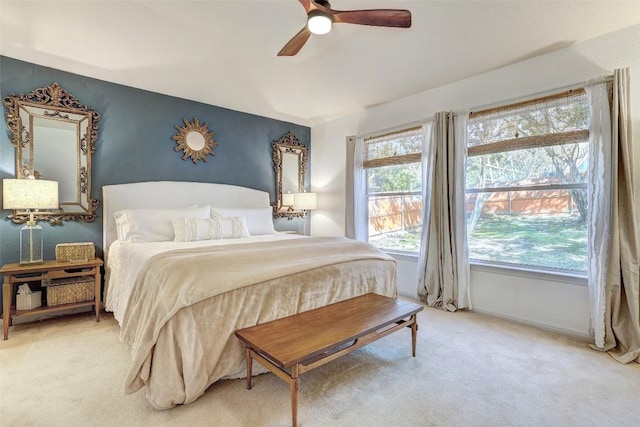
{"x":320,"y":17}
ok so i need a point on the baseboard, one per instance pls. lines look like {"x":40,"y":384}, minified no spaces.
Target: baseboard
{"x":577,"y":335}
{"x":408,"y":296}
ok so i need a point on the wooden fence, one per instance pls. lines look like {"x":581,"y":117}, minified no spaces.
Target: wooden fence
{"x":388,"y":214}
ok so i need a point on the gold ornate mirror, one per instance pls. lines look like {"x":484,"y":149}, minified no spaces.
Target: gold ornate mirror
{"x":290,"y":163}
{"x":55,"y":135}
{"x":194,"y":140}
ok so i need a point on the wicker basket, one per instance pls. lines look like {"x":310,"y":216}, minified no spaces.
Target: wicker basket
{"x":75,"y":252}
{"x":66,"y":291}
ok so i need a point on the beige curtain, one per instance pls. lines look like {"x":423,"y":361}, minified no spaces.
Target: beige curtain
{"x":622,"y":293}
{"x":443,"y":265}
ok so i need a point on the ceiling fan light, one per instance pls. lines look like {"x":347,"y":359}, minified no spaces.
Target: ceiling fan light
{"x":319,"y":22}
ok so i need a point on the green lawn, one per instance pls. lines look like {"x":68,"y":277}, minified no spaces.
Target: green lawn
{"x":558,"y":242}
{"x":408,"y":240}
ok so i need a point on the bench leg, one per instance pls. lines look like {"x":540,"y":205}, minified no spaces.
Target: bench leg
{"x":414,"y":333}
{"x":249,"y":366}
{"x":294,"y":386}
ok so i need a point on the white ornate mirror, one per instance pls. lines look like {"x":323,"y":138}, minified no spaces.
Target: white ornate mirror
{"x":55,"y":135}
{"x":290,"y":163}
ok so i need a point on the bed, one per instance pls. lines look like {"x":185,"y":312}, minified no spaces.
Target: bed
{"x":189,"y":263}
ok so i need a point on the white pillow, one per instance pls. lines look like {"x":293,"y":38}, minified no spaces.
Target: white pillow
{"x":193,"y":229}
{"x":153,"y":225}
{"x":259,"y":220}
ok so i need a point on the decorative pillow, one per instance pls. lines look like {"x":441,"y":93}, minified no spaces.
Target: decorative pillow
{"x":259,"y":220}
{"x":193,"y":229}
{"x":153,"y":225}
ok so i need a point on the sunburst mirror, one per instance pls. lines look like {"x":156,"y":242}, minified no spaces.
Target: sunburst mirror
{"x":195,"y":140}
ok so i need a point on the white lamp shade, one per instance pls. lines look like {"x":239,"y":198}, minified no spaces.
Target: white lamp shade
{"x":29,"y":194}
{"x":304,"y":201}
{"x":319,"y":22}
{"x":287,"y":199}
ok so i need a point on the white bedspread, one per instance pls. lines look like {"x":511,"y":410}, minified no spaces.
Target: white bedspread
{"x":126,"y":260}
{"x":182,"y":331}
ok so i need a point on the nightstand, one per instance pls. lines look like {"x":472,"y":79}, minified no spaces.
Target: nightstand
{"x":17,"y":274}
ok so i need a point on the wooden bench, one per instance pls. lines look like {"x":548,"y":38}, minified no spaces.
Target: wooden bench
{"x":293,"y":345}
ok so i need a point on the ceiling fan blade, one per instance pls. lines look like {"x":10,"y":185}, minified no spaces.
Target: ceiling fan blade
{"x":295,"y":44}
{"x":375,"y":17}
{"x":311,"y":5}
{"x":307,"y":4}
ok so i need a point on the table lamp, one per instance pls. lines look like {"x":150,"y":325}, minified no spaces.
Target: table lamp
{"x":287,"y":200}
{"x":30,"y":195}
{"x":305,"y":202}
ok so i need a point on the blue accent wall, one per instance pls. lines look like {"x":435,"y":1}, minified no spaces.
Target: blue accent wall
{"x":134,"y":144}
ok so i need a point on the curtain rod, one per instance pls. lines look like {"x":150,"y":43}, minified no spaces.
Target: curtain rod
{"x":571,"y":93}
{"x":399,"y":128}
{"x":595,"y":80}
{"x":541,"y":94}
{"x":395,"y":132}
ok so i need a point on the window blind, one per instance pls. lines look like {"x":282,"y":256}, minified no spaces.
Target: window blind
{"x":552,"y":120}
{"x":394,"y":148}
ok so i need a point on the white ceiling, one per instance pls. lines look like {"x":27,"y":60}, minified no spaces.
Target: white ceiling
{"x":224,"y":52}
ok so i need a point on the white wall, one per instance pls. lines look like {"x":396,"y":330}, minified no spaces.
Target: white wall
{"x":556,"y":304}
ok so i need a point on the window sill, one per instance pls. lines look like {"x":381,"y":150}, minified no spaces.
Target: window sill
{"x":405,"y":256}
{"x":558,"y":276}
{"x":573,"y":278}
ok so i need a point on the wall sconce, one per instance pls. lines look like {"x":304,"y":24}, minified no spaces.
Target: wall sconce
{"x":30,"y":195}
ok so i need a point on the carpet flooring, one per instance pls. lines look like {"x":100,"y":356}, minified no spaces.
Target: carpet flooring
{"x":471,"y":370}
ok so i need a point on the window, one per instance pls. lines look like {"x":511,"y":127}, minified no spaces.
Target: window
{"x":526,"y":185}
{"x":392,"y":163}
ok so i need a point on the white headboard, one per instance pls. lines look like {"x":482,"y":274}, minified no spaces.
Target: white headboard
{"x":172,"y":194}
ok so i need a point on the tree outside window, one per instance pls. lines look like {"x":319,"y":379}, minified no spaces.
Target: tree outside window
{"x":394,"y":180}
{"x":526,"y":189}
